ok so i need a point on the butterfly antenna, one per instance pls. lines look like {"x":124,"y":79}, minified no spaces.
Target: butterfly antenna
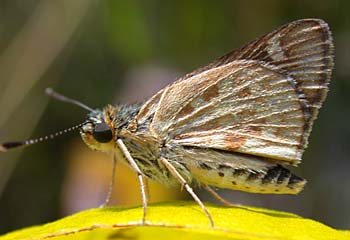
{"x":50,"y":92}
{"x":10,"y":145}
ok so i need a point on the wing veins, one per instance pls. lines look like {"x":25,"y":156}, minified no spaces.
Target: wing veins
{"x":267,"y":115}
{"x":213,"y":103}
{"x":237,"y":133}
{"x":227,"y":96}
{"x":301,"y":58}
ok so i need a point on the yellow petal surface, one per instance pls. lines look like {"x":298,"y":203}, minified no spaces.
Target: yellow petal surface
{"x":180,"y":220}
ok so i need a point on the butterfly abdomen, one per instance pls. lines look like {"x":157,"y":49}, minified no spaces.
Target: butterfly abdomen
{"x":275,"y":180}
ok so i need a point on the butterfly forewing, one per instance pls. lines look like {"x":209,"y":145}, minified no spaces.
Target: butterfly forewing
{"x":302,"y":50}
{"x":260,"y":99}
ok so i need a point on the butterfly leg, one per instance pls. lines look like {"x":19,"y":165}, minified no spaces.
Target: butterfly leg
{"x":183,"y":182}
{"x":139,"y":176}
{"x":218,"y":197}
{"x":111,"y":183}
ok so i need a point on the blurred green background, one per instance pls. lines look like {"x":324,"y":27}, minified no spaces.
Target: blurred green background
{"x":113,"y":51}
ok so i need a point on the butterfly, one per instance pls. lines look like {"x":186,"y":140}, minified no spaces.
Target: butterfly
{"x":234,"y":123}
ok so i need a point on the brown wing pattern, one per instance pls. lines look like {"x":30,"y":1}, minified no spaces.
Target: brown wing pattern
{"x":301,"y":49}
{"x":250,"y":109}
{"x":260,"y":99}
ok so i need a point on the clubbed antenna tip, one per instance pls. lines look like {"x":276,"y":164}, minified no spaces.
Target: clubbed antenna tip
{"x":8,"y":145}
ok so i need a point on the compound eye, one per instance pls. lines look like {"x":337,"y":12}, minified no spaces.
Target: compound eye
{"x":102,"y":133}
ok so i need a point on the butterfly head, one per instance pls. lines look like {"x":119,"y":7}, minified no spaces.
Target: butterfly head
{"x":98,"y":132}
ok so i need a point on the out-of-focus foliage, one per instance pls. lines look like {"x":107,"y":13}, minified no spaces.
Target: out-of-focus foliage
{"x":114,"y":51}
{"x":181,"y":221}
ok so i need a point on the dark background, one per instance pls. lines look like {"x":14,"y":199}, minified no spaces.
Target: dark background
{"x":124,"y":51}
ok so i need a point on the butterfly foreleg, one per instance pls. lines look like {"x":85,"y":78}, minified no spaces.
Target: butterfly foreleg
{"x":139,"y":176}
